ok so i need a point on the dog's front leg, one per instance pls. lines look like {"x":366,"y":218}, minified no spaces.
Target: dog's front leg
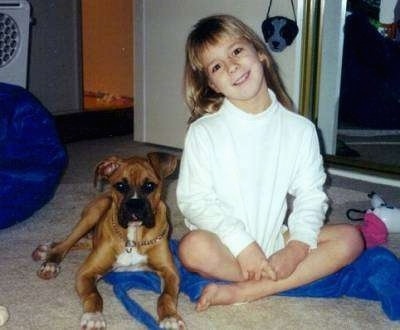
{"x":168,"y":300}
{"x":97,"y":264}
{"x":92,"y":318}
{"x":162,"y":262}
{"x":53,"y":253}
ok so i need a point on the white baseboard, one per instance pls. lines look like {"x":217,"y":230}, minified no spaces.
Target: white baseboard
{"x":364,"y":177}
{"x":368,"y":132}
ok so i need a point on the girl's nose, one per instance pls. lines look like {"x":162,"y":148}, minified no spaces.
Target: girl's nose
{"x":232,"y":66}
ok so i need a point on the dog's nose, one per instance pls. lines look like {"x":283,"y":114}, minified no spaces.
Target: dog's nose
{"x":136,"y":204}
{"x":136,"y":210}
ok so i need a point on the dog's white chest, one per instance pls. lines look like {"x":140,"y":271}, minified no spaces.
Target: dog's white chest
{"x":127,"y":259}
{"x":132,"y":258}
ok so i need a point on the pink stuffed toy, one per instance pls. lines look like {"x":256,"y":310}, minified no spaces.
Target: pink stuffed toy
{"x":380,"y":220}
{"x":373,"y":229}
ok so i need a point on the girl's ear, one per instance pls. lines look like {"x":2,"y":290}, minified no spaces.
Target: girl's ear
{"x":264,"y":58}
{"x":213,"y":87}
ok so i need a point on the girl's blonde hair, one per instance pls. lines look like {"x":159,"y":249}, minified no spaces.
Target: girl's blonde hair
{"x":202,"y":99}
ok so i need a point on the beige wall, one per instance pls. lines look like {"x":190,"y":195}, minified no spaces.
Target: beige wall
{"x":161,"y":28}
{"x":107,"y":37}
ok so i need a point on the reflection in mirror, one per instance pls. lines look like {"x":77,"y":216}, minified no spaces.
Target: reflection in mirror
{"x":369,"y":103}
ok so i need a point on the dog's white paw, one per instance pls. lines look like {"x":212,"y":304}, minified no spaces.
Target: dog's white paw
{"x":93,"y":321}
{"x":172,"y":323}
{"x":3,"y":315}
{"x":42,"y":251}
{"x":48,"y":270}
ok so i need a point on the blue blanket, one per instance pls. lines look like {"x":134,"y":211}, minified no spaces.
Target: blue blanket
{"x":375,"y":275}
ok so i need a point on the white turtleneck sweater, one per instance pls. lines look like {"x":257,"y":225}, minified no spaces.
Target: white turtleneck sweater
{"x":237,"y":169}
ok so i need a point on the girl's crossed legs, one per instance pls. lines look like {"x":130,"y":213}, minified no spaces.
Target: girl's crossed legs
{"x":203,"y":252}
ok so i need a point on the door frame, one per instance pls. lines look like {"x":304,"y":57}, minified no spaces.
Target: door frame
{"x":321,"y":66}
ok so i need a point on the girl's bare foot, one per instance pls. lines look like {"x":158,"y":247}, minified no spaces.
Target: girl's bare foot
{"x":214,"y":294}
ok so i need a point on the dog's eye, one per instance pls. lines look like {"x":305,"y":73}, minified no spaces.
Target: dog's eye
{"x":148,"y":187}
{"x":122,"y":187}
{"x":286,"y":33}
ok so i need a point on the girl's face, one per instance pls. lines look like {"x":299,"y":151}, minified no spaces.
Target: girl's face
{"x":234,"y":69}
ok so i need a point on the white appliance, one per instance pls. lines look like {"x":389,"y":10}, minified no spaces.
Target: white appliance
{"x":14,"y":41}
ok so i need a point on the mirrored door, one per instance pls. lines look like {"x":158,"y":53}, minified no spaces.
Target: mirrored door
{"x":356,"y":51}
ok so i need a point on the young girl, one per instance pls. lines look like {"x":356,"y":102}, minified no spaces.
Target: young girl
{"x":244,"y":153}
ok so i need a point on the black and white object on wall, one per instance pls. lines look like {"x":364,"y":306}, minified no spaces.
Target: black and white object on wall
{"x":14,"y":41}
{"x":279,"y":31}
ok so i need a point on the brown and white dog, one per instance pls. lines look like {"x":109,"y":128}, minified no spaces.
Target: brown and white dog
{"x":130,"y":229}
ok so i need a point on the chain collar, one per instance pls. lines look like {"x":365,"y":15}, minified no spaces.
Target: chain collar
{"x":131,"y":244}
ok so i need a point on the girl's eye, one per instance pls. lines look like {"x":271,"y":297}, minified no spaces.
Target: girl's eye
{"x":215,"y":68}
{"x":122,"y":187}
{"x":237,"y":51}
{"x":148,"y":187}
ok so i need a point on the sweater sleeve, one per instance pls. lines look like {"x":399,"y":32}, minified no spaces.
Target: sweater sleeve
{"x":310,"y":201}
{"x":197,"y":198}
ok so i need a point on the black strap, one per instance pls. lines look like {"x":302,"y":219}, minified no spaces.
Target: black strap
{"x":294,"y":12}
{"x":356,"y":211}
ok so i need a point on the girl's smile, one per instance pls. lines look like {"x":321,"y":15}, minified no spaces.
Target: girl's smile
{"x":242,"y":79}
{"x":234,"y":69}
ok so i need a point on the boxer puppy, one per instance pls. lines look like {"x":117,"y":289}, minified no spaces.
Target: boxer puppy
{"x":130,"y":229}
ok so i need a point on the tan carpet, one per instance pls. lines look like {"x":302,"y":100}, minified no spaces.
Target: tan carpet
{"x":37,"y":304}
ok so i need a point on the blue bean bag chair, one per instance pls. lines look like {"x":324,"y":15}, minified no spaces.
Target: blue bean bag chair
{"x":32,"y":159}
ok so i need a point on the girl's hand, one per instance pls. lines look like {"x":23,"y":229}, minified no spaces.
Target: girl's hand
{"x":285,"y":261}
{"x":254,"y":264}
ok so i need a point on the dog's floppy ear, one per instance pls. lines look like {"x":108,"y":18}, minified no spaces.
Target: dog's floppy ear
{"x":289,"y":31}
{"x":163,"y":163}
{"x":267,"y":29}
{"x":105,"y":169}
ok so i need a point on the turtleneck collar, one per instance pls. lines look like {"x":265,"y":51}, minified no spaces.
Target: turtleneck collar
{"x":241,"y":114}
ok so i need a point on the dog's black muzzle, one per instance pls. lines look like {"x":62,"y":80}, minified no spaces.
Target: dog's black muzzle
{"x":136,"y":210}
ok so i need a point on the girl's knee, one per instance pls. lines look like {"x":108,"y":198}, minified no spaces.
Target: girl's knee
{"x":347,"y":240}
{"x":192,"y":247}
{"x":352,"y":240}
{"x":184,"y":250}
{"x":352,"y":234}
